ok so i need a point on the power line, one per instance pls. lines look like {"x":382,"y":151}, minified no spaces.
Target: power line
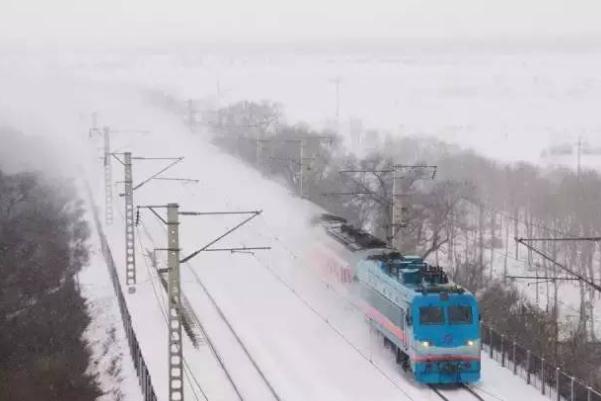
{"x":176,"y":387}
{"x":594,"y":239}
{"x":253,"y":214}
{"x":314,"y":310}
{"x":200,"y":325}
{"x":332,"y":326}
{"x":395,"y":200}
{"x":561,"y":266}
{"x":187,"y":371}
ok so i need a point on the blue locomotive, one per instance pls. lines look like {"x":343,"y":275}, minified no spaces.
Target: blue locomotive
{"x":431,"y":323}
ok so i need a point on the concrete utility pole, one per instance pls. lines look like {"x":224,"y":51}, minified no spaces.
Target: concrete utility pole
{"x":395,"y":201}
{"x":307,"y":157}
{"x":130,"y":254}
{"x":128,"y":193}
{"x":303,"y":163}
{"x":176,"y":380}
{"x":175,"y":351}
{"x":397,"y":209}
{"x":108,"y":180}
{"x":399,"y":189}
{"x":108,"y":184}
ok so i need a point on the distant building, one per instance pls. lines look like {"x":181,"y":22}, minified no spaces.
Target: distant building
{"x":576,"y":154}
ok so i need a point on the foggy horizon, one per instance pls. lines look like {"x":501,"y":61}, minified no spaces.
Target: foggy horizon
{"x":310,"y":200}
{"x":136,"y":22}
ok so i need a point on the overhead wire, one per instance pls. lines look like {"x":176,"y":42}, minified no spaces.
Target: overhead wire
{"x":324,"y":318}
{"x":203,"y":331}
{"x":162,"y":302}
{"x":187,"y":371}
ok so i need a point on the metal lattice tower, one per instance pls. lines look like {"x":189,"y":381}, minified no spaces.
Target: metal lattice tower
{"x":108,"y":179}
{"x":130,"y":255}
{"x":176,"y":382}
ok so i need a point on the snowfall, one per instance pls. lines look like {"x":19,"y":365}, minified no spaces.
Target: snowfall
{"x":270,"y":326}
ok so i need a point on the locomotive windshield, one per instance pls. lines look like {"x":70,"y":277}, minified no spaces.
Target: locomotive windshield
{"x":459,"y":314}
{"x":431,"y":315}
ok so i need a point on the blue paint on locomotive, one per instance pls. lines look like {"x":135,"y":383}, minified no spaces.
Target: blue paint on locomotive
{"x":433,"y":322}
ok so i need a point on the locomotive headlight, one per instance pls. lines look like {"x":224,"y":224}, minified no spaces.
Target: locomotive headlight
{"x":470,"y":343}
{"x":426,"y":344}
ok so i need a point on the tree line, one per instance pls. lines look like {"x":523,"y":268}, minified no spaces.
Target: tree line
{"x":43,"y":245}
{"x":465,"y":219}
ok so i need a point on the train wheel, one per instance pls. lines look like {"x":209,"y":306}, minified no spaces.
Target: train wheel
{"x":399,"y":356}
{"x":402,"y":359}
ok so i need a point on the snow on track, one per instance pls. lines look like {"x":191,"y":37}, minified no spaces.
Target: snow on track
{"x":302,"y":355}
{"x":308,"y":341}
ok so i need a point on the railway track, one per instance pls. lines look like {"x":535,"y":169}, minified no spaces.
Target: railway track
{"x":228,"y":324}
{"x":473,"y":392}
{"x":199,"y":335}
{"x":448,"y":396}
{"x":438,"y":393}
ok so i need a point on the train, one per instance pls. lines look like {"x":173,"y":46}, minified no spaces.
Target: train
{"x":431,"y":323}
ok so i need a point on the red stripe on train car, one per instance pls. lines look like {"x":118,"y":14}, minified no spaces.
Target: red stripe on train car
{"x":376,"y":315}
{"x":437,"y":358}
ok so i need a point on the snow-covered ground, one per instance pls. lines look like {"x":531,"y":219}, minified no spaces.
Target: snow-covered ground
{"x":111,"y":360}
{"x":306,"y":340}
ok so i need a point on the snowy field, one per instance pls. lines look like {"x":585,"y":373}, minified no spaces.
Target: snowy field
{"x":507,"y":104}
{"x":301,"y":337}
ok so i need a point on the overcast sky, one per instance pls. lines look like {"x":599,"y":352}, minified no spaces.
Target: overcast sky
{"x":132,"y":21}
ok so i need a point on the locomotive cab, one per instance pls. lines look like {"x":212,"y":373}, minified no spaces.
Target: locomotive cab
{"x":431,"y":323}
{"x":446,"y":338}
